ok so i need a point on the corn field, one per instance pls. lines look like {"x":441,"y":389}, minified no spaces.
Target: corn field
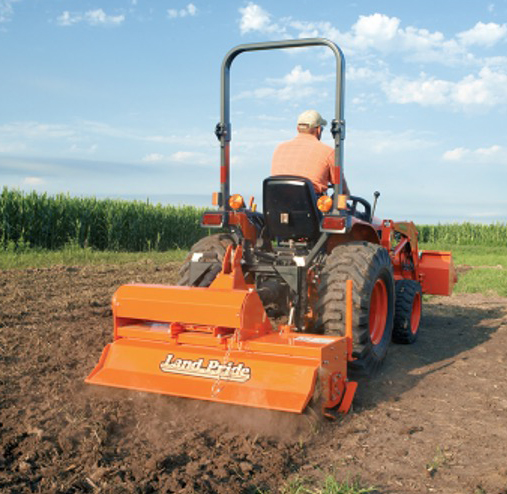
{"x":52,"y":222}
{"x":494,"y":235}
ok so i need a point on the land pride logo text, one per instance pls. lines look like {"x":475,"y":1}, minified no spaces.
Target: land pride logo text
{"x":214,"y":369}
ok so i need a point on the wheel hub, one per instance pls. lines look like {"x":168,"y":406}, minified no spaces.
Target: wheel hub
{"x":415,"y":316}
{"x":378,"y":311}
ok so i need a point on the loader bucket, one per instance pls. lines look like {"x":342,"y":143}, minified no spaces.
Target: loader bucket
{"x":217,"y":344}
{"x":438,"y":272}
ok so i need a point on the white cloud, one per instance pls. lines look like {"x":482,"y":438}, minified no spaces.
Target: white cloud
{"x":288,"y":93}
{"x":35,"y":130}
{"x":191,"y":157}
{"x":483,"y":34}
{"x":99,"y":17}
{"x":6,"y":10}
{"x":67,"y":19}
{"x":154,"y":158}
{"x":189,"y":10}
{"x":271,"y":118}
{"x":11,"y":145}
{"x":375,"y":32}
{"x":366,"y":74}
{"x":494,"y":150}
{"x":181,"y":157}
{"x":486,"y":89}
{"x":33,"y":181}
{"x":21,"y":137}
{"x":492,"y":154}
{"x":499,"y":61}
{"x":85,"y":130}
{"x":378,"y":32}
{"x":92,"y":17}
{"x":456,"y":154}
{"x":299,"y":76}
{"x":255,"y":18}
{"x":366,"y":101}
{"x":384,"y":142}
{"x":425,"y":90}
{"x":488,"y":216}
{"x":83,"y":150}
{"x":320,"y":29}
{"x":104,"y":129}
{"x":298,"y":84}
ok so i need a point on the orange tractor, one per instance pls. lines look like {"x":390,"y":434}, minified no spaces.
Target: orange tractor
{"x":276,"y":309}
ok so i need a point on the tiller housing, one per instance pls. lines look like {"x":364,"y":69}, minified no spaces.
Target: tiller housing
{"x":218,"y":344}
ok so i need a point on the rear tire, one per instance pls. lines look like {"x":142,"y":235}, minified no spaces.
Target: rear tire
{"x":407,"y":315}
{"x":369,"y":267}
{"x":213,"y":250}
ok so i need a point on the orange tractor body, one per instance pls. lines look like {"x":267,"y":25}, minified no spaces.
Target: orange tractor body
{"x":266,"y":313}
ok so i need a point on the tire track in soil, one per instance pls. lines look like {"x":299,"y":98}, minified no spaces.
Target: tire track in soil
{"x":432,"y":420}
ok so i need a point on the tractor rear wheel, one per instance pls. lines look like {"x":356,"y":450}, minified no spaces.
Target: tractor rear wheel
{"x":369,"y":267}
{"x":407,"y":314}
{"x":213,"y":250}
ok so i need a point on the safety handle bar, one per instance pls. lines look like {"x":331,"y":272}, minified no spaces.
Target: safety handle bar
{"x":223,"y":128}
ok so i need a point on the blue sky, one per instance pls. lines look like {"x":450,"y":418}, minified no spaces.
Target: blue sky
{"x":120,"y":98}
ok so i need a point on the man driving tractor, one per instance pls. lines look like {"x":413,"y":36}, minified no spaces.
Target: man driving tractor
{"x":306,"y":156}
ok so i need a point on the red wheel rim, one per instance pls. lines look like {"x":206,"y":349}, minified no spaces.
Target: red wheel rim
{"x":378,"y":311}
{"x":415,"y":317}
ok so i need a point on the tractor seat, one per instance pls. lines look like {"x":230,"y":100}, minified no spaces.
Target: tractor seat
{"x":290,"y":208}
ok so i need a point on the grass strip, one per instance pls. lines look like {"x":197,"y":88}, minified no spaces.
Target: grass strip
{"x":473,"y":255}
{"x":489,"y":268}
{"x":330,"y":485}
{"x":488,"y":274}
{"x":77,"y":256}
{"x":488,"y":281}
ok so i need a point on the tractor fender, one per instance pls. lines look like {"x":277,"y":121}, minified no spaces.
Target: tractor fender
{"x":360,"y":231}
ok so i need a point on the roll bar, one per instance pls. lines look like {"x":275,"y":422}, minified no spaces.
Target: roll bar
{"x":223,"y":128}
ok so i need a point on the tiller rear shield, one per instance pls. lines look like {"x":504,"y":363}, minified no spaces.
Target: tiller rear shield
{"x":438,"y":274}
{"x":218,"y":344}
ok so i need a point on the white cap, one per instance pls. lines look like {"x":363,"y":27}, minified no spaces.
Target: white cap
{"x":311,"y":119}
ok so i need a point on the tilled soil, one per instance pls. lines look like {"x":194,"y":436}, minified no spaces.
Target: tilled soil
{"x":434,"y":419}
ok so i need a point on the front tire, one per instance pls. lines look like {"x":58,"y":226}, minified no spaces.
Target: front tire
{"x":369,"y":267}
{"x":407,"y":315}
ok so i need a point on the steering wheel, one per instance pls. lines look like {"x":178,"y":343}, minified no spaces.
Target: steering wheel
{"x":352,"y":203}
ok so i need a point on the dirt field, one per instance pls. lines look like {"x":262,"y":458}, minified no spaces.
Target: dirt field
{"x":433,"y":420}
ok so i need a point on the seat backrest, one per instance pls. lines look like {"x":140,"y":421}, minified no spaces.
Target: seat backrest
{"x":290,"y":208}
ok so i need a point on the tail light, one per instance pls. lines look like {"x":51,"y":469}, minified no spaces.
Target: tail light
{"x":236,"y":201}
{"x":333,"y":223}
{"x":212,"y":220}
{"x":324,"y":204}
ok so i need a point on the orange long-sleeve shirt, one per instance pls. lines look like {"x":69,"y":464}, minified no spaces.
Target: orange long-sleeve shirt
{"x":307,"y":157}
